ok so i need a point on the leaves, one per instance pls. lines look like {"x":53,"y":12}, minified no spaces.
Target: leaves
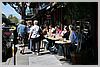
{"x":13,"y":19}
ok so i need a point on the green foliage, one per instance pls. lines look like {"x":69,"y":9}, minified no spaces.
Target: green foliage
{"x":13,"y":19}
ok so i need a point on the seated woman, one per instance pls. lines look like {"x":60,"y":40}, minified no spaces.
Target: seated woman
{"x":65,"y":34}
{"x":64,"y":31}
{"x":45,"y":41}
{"x":74,"y":40}
{"x":58,"y":29}
{"x":51,"y":31}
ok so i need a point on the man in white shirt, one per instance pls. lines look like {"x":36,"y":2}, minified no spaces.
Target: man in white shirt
{"x":35,"y":37}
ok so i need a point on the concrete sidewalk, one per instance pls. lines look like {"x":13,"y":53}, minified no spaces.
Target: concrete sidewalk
{"x":24,"y":59}
{"x":9,"y":61}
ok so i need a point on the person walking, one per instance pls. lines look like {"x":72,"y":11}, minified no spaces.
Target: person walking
{"x":21,"y":30}
{"x":34,"y":36}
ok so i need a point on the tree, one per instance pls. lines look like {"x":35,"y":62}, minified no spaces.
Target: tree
{"x":13,"y":18}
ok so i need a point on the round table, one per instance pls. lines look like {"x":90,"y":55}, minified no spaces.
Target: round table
{"x":51,"y":42}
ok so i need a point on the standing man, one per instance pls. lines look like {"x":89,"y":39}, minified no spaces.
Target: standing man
{"x":35,"y":37}
{"x":74,"y":40}
{"x":21,"y":30}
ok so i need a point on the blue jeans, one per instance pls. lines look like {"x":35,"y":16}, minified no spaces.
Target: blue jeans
{"x":35,"y":42}
{"x":30,"y":44}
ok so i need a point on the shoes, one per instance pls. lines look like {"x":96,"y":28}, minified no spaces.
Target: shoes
{"x":38,"y":54}
{"x":34,"y":53}
{"x":21,"y":52}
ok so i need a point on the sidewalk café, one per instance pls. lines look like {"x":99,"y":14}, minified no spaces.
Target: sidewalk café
{"x":66,"y":29}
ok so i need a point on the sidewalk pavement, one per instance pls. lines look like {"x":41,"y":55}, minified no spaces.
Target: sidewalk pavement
{"x":24,"y":59}
{"x":10,"y":61}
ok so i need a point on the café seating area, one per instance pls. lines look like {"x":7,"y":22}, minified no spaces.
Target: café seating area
{"x":61,"y":46}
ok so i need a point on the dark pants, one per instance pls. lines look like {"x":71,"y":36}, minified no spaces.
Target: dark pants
{"x":60,"y":50}
{"x":36,"y":44}
{"x":72,"y":48}
{"x":28,"y":44}
{"x":65,"y":50}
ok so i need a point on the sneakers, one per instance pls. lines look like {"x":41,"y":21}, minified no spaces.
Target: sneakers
{"x":34,"y":53}
{"x":38,"y":54}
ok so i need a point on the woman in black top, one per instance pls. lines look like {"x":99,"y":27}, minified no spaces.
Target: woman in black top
{"x":66,"y":35}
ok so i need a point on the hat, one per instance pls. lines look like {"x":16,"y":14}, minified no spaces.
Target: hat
{"x":21,"y":21}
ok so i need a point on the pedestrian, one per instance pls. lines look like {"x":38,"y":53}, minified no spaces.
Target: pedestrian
{"x":34,"y":36}
{"x":21,"y":30}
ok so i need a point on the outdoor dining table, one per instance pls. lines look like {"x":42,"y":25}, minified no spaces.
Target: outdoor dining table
{"x":65,"y":44}
{"x":52,"y":40}
{"x":52,"y":37}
